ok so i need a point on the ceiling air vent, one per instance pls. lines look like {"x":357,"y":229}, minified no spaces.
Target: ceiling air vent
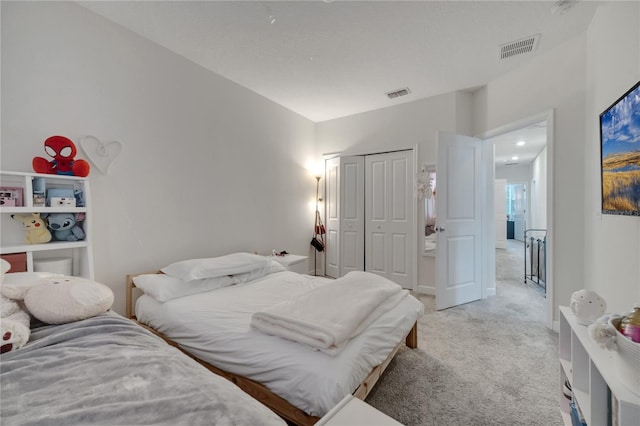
{"x":519,"y":47}
{"x":399,"y":92}
{"x":510,"y":164}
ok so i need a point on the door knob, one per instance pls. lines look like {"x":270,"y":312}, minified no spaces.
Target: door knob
{"x":378,"y":226}
{"x":440,"y":229}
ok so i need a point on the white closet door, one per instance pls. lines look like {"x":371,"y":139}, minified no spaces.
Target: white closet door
{"x":351,"y":214}
{"x":389,"y":216}
{"x":344,"y":215}
{"x":332,"y":217}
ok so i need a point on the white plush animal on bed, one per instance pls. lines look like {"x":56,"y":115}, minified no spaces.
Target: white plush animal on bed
{"x":14,"y":321}
{"x":58,"y":299}
{"x":55,"y":298}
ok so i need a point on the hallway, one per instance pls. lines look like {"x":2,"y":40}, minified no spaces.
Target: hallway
{"x":510,"y":274}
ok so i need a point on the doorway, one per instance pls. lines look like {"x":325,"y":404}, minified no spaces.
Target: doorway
{"x":523,"y":158}
{"x":516,"y":210}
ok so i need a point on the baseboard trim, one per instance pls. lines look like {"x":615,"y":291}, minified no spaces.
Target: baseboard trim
{"x":425,"y":289}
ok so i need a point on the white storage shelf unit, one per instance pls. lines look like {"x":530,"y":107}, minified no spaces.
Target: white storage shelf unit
{"x":591,"y":370}
{"x":13,"y":233}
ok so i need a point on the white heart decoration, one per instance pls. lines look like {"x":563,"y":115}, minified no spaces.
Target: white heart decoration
{"x":101,"y":154}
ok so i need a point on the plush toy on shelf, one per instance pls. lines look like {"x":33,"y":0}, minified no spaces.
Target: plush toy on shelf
{"x":66,"y":226}
{"x":37,"y":232}
{"x":63,"y":152}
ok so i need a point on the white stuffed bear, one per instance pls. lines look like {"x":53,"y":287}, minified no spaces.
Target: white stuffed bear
{"x":14,"y":322}
{"x":59,"y":299}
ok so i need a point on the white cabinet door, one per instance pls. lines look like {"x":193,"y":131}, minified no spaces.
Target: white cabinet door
{"x":389,"y":216}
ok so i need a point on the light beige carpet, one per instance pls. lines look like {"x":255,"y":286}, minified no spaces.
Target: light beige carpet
{"x":490,"y":362}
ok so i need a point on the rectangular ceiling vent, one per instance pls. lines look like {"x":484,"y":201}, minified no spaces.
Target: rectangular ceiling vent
{"x":510,"y":164}
{"x":519,"y":47}
{"x":398,"y":93}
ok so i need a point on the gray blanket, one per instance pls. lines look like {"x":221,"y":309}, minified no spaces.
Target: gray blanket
{"x":107,"y":370}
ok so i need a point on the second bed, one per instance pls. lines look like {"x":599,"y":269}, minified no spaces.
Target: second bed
{"x":215,"y":327}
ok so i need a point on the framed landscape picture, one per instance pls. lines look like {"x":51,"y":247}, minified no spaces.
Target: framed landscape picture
{"x":620,"y":149}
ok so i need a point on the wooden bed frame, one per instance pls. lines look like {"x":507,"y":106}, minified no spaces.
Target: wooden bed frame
{"x":260,"y":392}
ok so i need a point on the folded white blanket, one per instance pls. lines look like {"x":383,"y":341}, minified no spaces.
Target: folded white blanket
{"x":326,"y":317}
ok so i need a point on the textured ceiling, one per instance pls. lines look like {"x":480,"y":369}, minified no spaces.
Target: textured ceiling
{"x":328,"y":59}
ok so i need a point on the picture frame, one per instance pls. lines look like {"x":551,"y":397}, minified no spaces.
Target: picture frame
{"x":13,"y":192}
{"x":620,"y":155}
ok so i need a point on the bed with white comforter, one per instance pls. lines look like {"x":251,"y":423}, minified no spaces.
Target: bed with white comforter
{"x":215,"y":326}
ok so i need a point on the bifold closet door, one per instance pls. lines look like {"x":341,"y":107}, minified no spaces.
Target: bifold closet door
{"x":345,"y":215}
{"x":389,"y":216}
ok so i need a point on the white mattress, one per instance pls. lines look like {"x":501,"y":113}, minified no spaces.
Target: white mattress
{"x":215,"y":327}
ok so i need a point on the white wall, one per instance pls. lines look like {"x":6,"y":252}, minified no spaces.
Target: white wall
{"x":401,"y":127}
{"x":514,"y":174}
{"x":554,"y":80}
{"x":208,"y":167}
{"x":538,"y":191}
{"x":612,"y":243}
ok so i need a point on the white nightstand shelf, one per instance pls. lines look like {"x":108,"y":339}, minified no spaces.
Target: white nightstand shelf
{"x":294,"y":262}
{"x":352,"y":411}
{"x":595,"y":381}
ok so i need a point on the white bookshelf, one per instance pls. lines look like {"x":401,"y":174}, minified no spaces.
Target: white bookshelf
{"x":12,"y":235}
{"x":595,"y":381}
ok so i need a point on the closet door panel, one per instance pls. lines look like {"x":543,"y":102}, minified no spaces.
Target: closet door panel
{"x":377,"y":184}
{"x":399,"y":255}
{"x":399,"y":190}
{"x":389,"y":216}
{"x":351,"y":214}
{"x":332,"y":215}
{"x":351,"y":208}
{"x":351,"y":251}
{"x":331,"y":254}
{"x":376,"y":253}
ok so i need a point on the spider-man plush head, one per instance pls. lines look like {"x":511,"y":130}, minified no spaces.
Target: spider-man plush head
{"x":63,"y":152}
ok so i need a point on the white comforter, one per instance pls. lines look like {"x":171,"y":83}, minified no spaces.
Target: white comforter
{"x":326,"y":317}
{"x":215,"y":326}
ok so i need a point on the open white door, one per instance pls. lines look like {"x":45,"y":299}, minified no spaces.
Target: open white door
{"x":459,"y":216}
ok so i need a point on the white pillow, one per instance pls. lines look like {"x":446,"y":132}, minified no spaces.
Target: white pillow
{"x":165,"y":287}
{"x":270,"y":268}
{"x":231,"y":264}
